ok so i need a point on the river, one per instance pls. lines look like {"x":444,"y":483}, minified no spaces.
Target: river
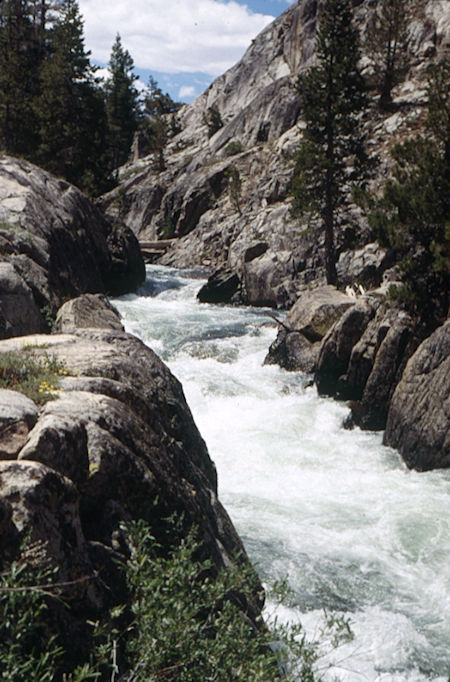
{"x":334,"y":511}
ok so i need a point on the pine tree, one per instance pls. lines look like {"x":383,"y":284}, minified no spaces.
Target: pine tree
{"x":70,"y":107}
{"x":387,"y":44}
{"x":157,"y":120}
{"x":331,"y":157}
{"x":413,"y":215}
{"x":156,"y":102}
{"x":121,"y":104}
{"x":18,"y":78}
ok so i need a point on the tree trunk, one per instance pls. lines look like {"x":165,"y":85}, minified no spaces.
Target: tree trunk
{"x":330,"y":253}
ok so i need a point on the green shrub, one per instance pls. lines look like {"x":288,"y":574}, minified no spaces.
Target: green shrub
{"x":25,"y":624}
{"x":30,"y":644}
{"x":183,"y":623}
{"x":212,"y":120}
{"x":233,"y":147}
{"x":188,"y":626}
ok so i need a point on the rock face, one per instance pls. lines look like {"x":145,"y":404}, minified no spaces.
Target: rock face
{"x":258,"y":106}
{"x":419,"y":414}
{"x":46,"y":503}
{"x":362,"y":359}
{"x":54,"y":244}
{"x":117,"y":442}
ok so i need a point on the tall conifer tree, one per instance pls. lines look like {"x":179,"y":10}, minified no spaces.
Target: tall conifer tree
{"x":387,"y":42}
{"x":70,"y":107}
{"x":157,"y":120}
{"x":18,"y":77}
{"x":413,"y":214}
{"x":331,"y":155}
{"x":121,"y":104}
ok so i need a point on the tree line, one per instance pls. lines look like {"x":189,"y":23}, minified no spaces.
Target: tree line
{"x":55,"y":110}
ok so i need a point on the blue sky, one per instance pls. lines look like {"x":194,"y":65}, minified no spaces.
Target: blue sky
{"x":184,"y":44}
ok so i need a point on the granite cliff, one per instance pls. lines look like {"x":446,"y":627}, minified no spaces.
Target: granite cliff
{"x":257,"y":128}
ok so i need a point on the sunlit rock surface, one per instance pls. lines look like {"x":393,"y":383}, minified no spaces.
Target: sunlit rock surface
{"x":54,"y":245}
{"x":419,"y":414}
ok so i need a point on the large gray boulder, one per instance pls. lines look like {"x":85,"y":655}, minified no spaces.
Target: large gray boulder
{"x":337,"y":346}
{"x":395,"y":342}
{"x":54,"y":245}
{"x":89,"y":310}
{"x":46,"y":505}
{"x":19,"y":314}
{"x":221,"y":286}
{"x":297,"y":346}
{"x":419,"y":413}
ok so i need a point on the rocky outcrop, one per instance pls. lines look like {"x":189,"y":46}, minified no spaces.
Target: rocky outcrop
{"x":117,"y":442}
{"x":55,"y":244}
{"x":362,"y":359}
{"x":257,"y":104}
{"x":297,"y":345}
{"x":419,"y":413}
{"x":337,"y":347}
{"x":220,"y":287}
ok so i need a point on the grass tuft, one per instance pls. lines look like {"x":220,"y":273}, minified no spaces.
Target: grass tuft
{"x":35,"y":376}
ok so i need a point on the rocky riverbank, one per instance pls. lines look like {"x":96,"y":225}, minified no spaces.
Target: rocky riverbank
{"x":116,"y":442}
{"x":224,"y":195}
{"x":107,"y":436}
{"x":378,"y":358}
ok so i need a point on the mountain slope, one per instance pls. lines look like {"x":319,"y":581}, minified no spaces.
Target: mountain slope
{"x":251,"y":231}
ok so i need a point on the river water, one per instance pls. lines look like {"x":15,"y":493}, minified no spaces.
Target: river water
{"x":334,"y":511}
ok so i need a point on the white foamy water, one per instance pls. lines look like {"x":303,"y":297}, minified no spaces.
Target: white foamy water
{"x":340,"y":515}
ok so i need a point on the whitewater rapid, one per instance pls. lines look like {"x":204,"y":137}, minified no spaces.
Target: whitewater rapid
{"x":340,"y":515}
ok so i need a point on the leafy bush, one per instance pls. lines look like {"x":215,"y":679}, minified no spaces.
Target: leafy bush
{"x":35,"y":376}
{"x":30,"y":644}
{"x":184,"y":622}
{"x":188,"y":624}
{"x":25,"y":624}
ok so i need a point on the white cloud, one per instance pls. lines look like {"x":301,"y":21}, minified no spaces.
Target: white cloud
{"x":186,"y":91}
{"x":172,"y":36}
{"x":104,"y":74}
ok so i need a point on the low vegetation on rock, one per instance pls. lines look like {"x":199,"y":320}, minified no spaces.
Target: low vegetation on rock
{"x":36,"y":376}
